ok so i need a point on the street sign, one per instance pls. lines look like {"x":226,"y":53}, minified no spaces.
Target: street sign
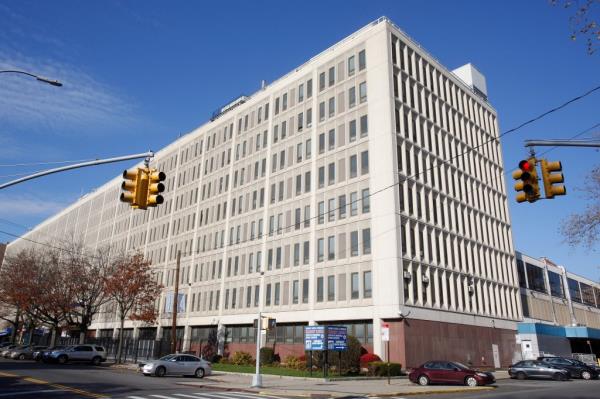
{"x":385,"y":333}
{"x":337,"y":338}
{"x":316,"y":336}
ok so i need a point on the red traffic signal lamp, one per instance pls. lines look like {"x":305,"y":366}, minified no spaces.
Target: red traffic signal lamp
{"x":527,"y":185}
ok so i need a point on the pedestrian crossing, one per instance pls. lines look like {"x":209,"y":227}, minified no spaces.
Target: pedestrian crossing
{"x":205,"y":395}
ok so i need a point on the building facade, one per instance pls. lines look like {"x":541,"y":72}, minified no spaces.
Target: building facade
{"x":561,"y":310}
{"x":360,"y":188}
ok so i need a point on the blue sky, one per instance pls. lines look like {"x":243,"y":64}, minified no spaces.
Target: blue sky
{"x":137,"y":74}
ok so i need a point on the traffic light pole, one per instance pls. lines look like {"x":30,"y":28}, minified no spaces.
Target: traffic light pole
{"x":146,"y":155}
{"x":562,"y":143}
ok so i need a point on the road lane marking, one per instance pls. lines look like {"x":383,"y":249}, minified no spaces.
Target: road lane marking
{"x":185,"y":395}
{"x":3,"y":374}
{"x":30,"y":392}
{"x":163,"y":397}
{"x":57,"y":386}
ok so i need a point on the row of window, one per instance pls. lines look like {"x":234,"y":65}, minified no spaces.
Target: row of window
{"x":351,"y":68}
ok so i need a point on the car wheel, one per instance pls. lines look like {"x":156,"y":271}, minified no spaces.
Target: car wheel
{"x":160,"y":372}
{"x":22,"y":357}
{"x":471,"y":381}
{"x":521,"y":375}
{"x":423,"y":380}
{"x":62,"y":359}
{"x":199,"y":373}
{"x":96,"y":361}
{"x":559,"y":377}
{"x":586,"y":375}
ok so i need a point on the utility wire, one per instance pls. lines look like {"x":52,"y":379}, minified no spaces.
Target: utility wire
{"x":438,"y":164}
{"x":45,"y":163}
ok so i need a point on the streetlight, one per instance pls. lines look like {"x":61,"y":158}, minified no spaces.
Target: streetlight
{"x":257,"y":377}
{"x":40,"y":78}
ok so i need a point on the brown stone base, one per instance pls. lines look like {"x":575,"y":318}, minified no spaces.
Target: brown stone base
{"x":414,"y":342}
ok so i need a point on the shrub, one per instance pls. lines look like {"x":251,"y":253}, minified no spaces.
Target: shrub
{"x":267,"y":355}
{"x":241,"y":358}
{"x":302,"y":358}
{"x":215,"y":358}
{"x":369,"y":358}
{"x":224,"y":360}
{"x":381,"y":369}
{"x":294,"y":362}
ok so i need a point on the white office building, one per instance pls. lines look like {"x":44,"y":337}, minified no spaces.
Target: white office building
{"x":365,"y":184}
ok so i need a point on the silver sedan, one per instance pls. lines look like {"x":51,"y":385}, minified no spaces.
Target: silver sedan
{"x":177,"y":365}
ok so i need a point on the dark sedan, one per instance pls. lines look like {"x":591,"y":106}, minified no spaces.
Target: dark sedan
{"x":536,"y":369}
{"x":445,"y":372}
{"x":576,"y":368}
{"x":44,"y":354}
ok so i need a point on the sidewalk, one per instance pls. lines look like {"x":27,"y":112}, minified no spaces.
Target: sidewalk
{"x":319,"y":388}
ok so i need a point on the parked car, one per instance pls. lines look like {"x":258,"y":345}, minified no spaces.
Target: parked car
{"x":79,"y":353}
{"x":576,"y":368}
{"x":445,"y":372}
{"x":177,"y":364}
{"x":42,"y":355}
{"x":7,"y":351}
{"x":25,"y":353}
{"x":4,"y":345}
{"x":536,"y":369}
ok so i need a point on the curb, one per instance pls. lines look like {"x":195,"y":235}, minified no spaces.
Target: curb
{"x":383,"y":395}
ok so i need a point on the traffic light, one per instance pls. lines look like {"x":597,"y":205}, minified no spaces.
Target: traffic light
{"x":551,"y":178}
{"x":155,"y":187}
{"x":527,"y":181}
{"x":131,"y":187}
{"x":266,"y":323}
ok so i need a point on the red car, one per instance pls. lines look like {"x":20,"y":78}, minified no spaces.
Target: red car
{"x":444,"y":372}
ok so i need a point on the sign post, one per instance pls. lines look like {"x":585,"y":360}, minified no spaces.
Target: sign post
{"x":325,"y":338}
{"x":385,"y":337}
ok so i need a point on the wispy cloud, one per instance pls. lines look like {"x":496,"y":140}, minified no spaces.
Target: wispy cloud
{"x":15,"y":206}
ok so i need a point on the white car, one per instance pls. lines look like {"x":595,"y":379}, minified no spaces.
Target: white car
{"x":177,"y":365}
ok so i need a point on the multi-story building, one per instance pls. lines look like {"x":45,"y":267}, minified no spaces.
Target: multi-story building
{"x":561,"y":310}
{"x":363,"y":185}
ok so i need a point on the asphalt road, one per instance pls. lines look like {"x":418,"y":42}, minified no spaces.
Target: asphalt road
{"x":28,"y":380}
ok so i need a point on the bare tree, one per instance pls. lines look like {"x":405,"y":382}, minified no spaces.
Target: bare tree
{"x":584,"y":228}
{"x":134,"y":289}
{"x":585,"y":21}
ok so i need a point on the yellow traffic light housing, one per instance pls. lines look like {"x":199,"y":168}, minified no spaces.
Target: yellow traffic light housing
{"x":527,"y":185}
{"x":130,"y":186}
{"x":550,"y":179}
{"x":155,"y":187}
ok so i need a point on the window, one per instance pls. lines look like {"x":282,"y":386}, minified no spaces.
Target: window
{"x":331,"y":76}
{"x":309,"y":117}
{"x":364,"y":162}
{"x":268,"y":295}
{"x":309,"y":88}
{"x":295,"y":287}
{"x":319,"y":289}
{"x":367,"y":288}
{"x":284,"y":102}
{"x":353,"y":203}
{"x":277,"y":292}
{"x":362,"y":92}
{"x":299,"y":152}
{"x":354,"y":243}
{"x":297,"y":217}
{"x":297,"y":254}
{"x":332,"y":106}
{"x":308,"y":148}
{"x":306,"y":253}
{"x":351,"y":97}
{"x":352,"y":128}
{"x":331,"y":139}
{"x":362,"y":60}
{"x":330,"y":288}
{"x":351,"y":66}
{"x":573,"y":290}
{"x":366,"y":241}
{"x":321,"y":214}
{"x":366,"y":202}
{"x":354,"y":285}
{"x":321,"y":177}
{"x":320,"y":249}
{"x":342,"y":206}
{"x":307,"y":182}
{"x":300,"y":121}
{"x":307,"y":216}
{"x":535,"y":276}
{"x":322,"y":111}
{"x":321,"y":143}
{"x":556,"y":287}
{"x":331,"y":209}
{"x":331,"y":248}
{"x":298,"y":184}
{"x":353,"y":166}
{"x":305,"y":290}
{"x":256,"y":297}
{"x":331,"y":173}
{"x":321,"y":81}
{"x":301,"y":92}
{"x":364,"y":128}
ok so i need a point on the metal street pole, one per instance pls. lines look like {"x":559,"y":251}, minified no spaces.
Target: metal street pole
{"x":40,"y":78}
{"x":146,"y":155}
{"x":562,"y":143}
{"x":257,"y":378}
{"x":175,"y":297}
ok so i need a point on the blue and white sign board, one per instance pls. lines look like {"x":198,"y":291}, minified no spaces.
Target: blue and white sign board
{"x":315,"y":337}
